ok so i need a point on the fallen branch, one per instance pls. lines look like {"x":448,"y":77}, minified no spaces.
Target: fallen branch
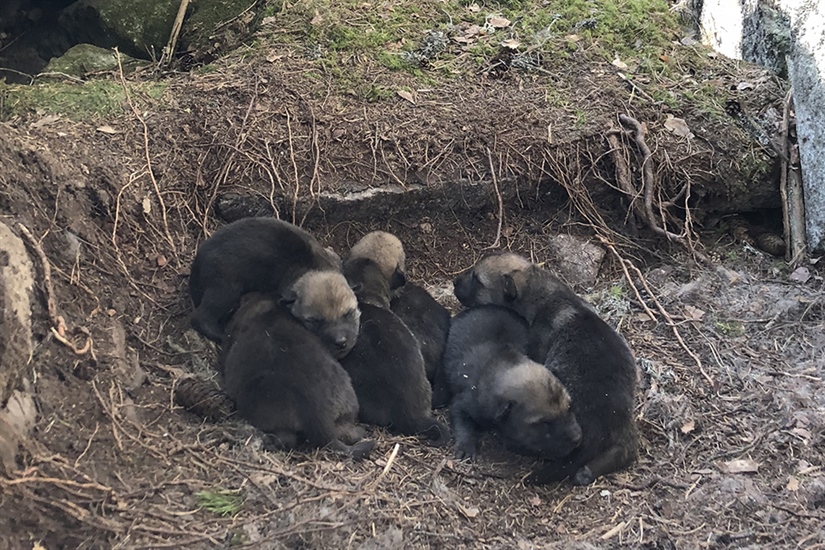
{"x":58,"y":327}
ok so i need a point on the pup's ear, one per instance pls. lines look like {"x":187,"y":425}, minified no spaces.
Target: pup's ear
{"x":356,"y":287}
{"x":288,"y":297}
{"x":510,"y":288}
{"x":398,"y":279}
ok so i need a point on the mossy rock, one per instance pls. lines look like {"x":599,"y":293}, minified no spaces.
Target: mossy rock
{"x":83,"y":59}
{"x":138,"y":27}
{"x":141,"y":28}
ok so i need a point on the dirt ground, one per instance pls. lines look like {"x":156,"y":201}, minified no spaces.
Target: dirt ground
{"x":731,"y":406}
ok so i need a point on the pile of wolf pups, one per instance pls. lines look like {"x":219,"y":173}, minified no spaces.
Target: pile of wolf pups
{"x":311,"y":346}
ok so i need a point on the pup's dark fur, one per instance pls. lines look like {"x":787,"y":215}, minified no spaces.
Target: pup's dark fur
{"x":251,"y":254}
{"x":326,"y":305}
{"x":286,"y":383}
{"x":496,"y":387}
{"x":428,"y":320}
{"x":591,"y":359}
{"x":386,"y":365}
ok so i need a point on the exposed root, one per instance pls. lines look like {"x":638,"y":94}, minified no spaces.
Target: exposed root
{"x":58,"y":327}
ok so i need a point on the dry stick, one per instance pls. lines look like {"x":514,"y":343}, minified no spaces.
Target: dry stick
{"x":648,"y":181}
{"x":169,"y":50}
{"x":790,"y":186}
{"x":148,"y":156}
{"x":58,"y":327}
{"x":497,"y":242}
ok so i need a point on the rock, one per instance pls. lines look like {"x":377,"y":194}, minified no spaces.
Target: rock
{"x":16,"y":422}
{"x":141,"y":28}
{"x":83,"y":59}
{"x":138,"y":27}
{"x":576,"y":260}
{"x":16,"y":283}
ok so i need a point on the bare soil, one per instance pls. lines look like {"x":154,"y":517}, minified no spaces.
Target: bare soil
{"x":731,"y":421}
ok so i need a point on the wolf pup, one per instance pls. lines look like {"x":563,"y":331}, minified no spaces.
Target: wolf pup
{"x":251,"y":254}
{"x":286,"y":383}
{"x":496,"y":387}
{"x":428,"y":320}
{"x":386,"y":366}
{"x":590,"y":359}
{"x":326,"y":305}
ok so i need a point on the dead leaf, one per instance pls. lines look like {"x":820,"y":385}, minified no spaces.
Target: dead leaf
{"x":694,"y":313}
{"x":741,"y":466}
{"x":664,"y":58}
{"x":678,"y":126}
{"x":107,"y":130}
{"x":744,"y":86}
{"x":643,"y":317}
{"x":472,"y":30}
{"x":511,"y":43}
{"x":317,"y":20}
{"x":162,"y":261}
{"x":793,"y":484}
{"x":474,"y":8}
{"x":534,"y":500}
{"x":467,"y":512}
{"x":498,"y":22}
{"x":619,"y":64}
{"x":688,"y":41}
{"x":147,"y":206}
{"x":572,"y":37}
{"x":272,"y":58}
{"x":404,"y":94}
{"x":688,"y":426}
{"x":800,"y":275}
{"x":45,"y":121}
{"x":462,"y":40}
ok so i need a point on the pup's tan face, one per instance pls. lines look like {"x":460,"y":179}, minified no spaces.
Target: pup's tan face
{"x":386,"y":250}
{"x":326,"y":305}
{"x":535,"y":416}
{"x":496,"y":279}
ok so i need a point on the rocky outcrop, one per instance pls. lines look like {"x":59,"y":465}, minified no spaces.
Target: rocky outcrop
{"x":141,"y":28}
{"x":17,"y":409}
{"x":16,"y":282}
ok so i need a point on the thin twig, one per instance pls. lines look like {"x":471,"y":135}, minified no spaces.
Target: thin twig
{"x":497,"y":242}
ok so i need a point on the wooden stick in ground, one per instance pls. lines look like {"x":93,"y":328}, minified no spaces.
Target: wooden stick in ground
{"x":783,"y":175}
{"x":790,"y":190}
{"x":169,"y":50}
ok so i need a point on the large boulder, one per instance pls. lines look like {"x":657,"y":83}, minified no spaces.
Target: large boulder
{"x":16,"y":283}
{"x":141,"y":28}
{"x":17,"y":410}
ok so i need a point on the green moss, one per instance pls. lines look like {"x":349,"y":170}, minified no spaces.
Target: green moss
{"x":77,"y":101}
{"x":731,"y":329}
{"x":220,"y":501}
